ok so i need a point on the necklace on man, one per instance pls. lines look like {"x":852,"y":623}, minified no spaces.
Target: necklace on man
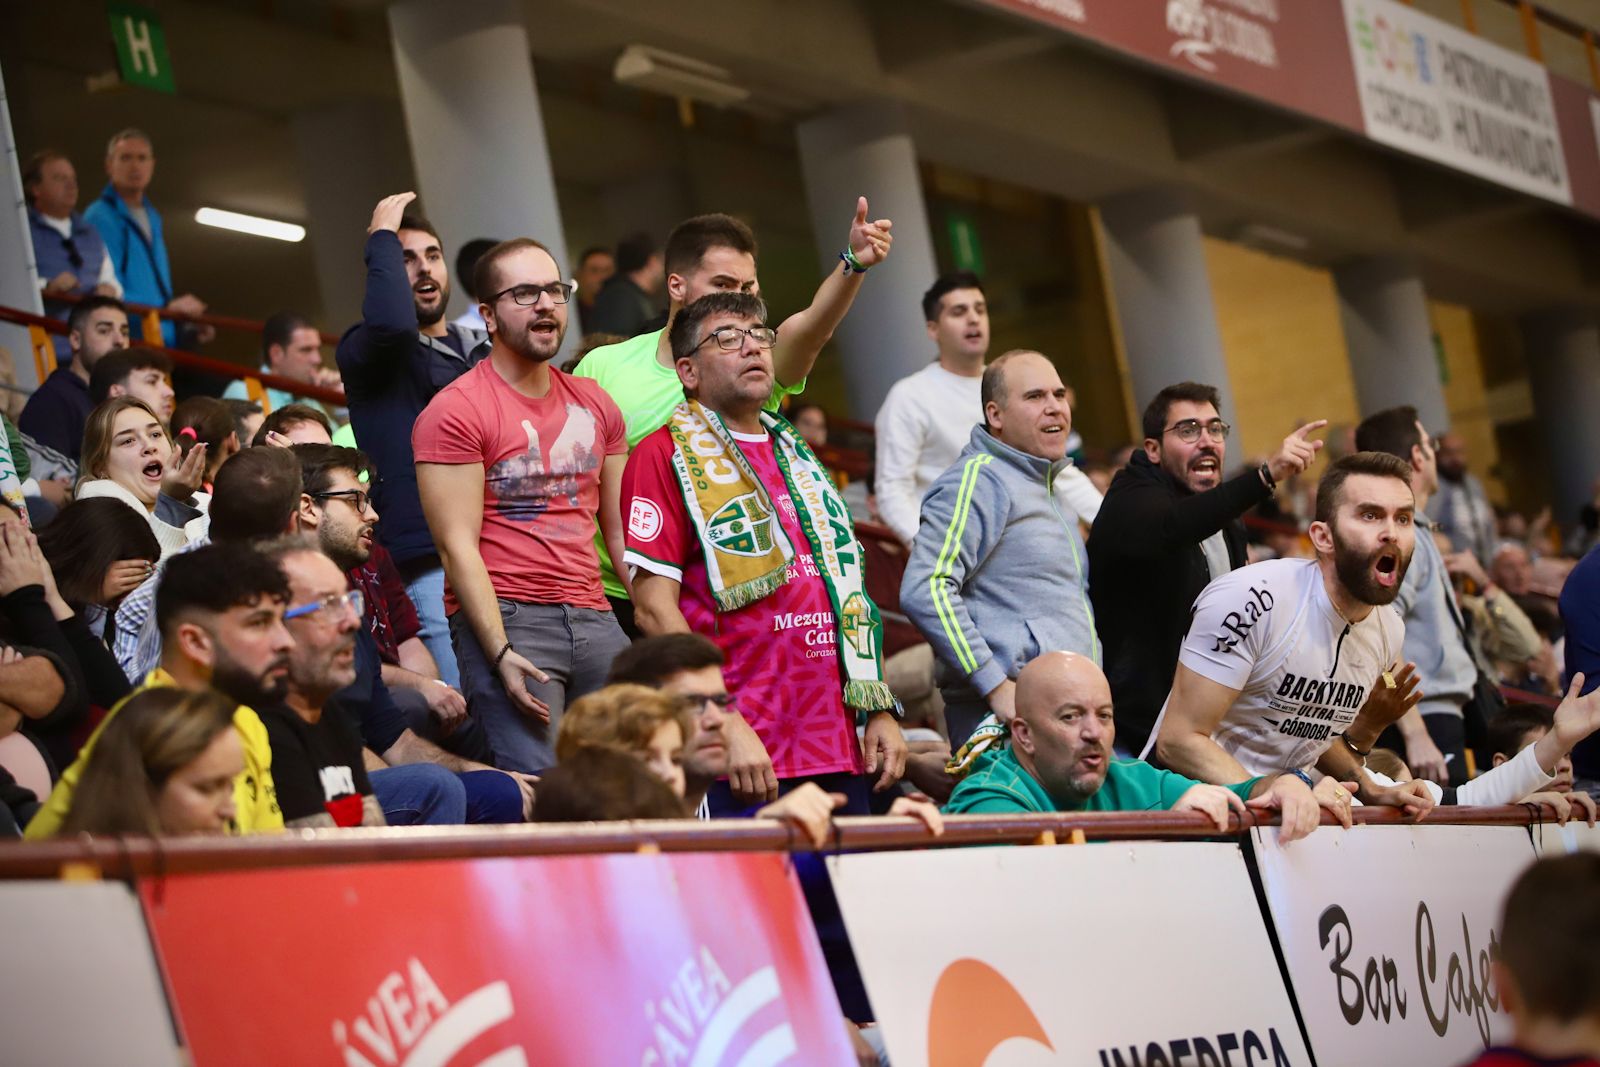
{"x":1383,"y":636}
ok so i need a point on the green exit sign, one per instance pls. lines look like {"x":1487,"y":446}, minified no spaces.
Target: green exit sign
{"x":965,"y":247}
{"x":141,"y":44}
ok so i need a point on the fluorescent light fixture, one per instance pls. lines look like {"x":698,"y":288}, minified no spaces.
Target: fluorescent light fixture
{"x":643,"y":67}
{"x":251,"y":224}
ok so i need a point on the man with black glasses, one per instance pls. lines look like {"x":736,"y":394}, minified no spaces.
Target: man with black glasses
{"x":515,"y":462}
{"x":1169,"y":526}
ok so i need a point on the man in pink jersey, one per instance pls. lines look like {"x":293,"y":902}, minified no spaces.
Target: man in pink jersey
{"x":732,"y":532}
{"x":515,"y":462}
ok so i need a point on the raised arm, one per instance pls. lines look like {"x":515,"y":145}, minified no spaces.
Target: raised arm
{"x":802,"y":335}
{"x":1195,"y":708}
{"x":452,"y":500}
{"x":388,"y":313}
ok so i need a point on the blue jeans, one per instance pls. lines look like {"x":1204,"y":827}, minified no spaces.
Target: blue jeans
{"x":420,"y":794}
{"x":426,"y":591}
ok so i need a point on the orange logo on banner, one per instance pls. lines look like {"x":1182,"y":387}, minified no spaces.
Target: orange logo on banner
{"x":960,"y":1035}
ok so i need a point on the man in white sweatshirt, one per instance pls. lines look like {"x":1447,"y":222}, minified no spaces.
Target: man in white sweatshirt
{"x":928,"y":417}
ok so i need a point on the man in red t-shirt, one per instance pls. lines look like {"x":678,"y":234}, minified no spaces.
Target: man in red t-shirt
{"x":1547,"y":973}
{"x":781,"y":646}
{"x":515,"y":461}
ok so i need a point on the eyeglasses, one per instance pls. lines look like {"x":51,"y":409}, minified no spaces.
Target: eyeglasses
{"x":731,"y":338}
{"x":1189,"y":429}
{"x":359,"y":499}
{"x":528,"y":295}
{"x":352,"y":600}
{"x":696,"y":702}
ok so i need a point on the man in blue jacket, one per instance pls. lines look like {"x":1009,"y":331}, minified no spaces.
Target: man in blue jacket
{"x":130,"y":227}
{"x":393,"y":362}
{"x":998,"y":574}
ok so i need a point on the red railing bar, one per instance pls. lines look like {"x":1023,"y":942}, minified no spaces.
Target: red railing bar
{"x":128,"y":857}
{"x":190,"y":359}
{"x":226,"y":322}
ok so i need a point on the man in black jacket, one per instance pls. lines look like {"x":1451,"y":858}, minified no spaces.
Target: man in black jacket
{"x":1169,"y":525}
{"x":393,"y":361}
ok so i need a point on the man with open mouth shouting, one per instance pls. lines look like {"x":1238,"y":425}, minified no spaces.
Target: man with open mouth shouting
{"x":1168,"y":527}
{"x":393,"y":362}
{"x":1282,"y":656}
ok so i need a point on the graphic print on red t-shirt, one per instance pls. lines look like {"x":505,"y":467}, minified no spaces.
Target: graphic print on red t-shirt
{"x":783,"y":667}
{"x":541,"y":458}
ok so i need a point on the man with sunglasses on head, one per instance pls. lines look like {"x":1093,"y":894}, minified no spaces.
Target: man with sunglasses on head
{"x":516,"y":462}
{"x":1168,"y":527}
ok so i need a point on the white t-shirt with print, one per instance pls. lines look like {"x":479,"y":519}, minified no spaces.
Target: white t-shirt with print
{"x":1270,"y":631}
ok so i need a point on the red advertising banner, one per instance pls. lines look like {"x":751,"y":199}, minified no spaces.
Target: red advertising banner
{"x":1291,"y":53}
{"x":652,"y":960}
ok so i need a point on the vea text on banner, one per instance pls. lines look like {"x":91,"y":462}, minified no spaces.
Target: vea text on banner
{"x":1104,"y":955}
{"x":79,"y":983}
{"x":1553,"y":840}
{"x":648,"y":960}
{"x":1387,"y":932}
{"x":1436,"y":91}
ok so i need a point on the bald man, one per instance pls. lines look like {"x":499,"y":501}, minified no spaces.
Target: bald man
{"x":1059,"y":759}
{"x":992,"y":539}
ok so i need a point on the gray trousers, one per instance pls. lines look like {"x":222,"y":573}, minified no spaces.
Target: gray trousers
{"x":574,"y":646}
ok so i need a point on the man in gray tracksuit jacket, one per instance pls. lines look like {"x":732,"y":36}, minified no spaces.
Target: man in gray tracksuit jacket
{"x":998,"y":572}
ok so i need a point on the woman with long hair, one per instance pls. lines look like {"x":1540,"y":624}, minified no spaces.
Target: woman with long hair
{"x":100,"y":551}
{"x":205,"y":420}
{"x":126,"y":454}
{"x":165,"y":763}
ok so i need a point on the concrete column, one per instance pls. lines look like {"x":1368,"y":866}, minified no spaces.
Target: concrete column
{"x":19,"y":281}
{"x":342,"y":187}
{"x":1157,"y":264}
{"x":1389,"y":334}
{"x":477,"y":133}
{"x":1563,"y":355}
{"x":865,"y":150}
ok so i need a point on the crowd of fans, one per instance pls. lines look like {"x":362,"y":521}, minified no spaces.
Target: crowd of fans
{"x":490,"y":589}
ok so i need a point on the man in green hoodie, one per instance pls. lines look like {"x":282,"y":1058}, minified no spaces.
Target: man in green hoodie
{"x":1059,"y":759}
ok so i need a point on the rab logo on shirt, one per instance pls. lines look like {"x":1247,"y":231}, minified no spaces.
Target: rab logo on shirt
{"x":409,"y":1021}
{"x":1238,"y":624}
{"x":704,"y":1019}
{"x":644,"y":519}
{"x":743,"y":527}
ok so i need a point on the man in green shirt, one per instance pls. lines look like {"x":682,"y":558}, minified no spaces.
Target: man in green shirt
{"x":1059,"y":759}
{"x":717,"y":253}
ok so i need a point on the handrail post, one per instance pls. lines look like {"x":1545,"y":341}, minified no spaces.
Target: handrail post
{"x":1469,"y":17}
{"x":1594,"y":61}
{"x":1530,"y":30}
{"x":152,"y":327}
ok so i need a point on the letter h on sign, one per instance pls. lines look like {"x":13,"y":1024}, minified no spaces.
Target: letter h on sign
{"x":141,"y":45}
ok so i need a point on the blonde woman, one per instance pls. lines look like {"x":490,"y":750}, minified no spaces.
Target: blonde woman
{"x":126,"y":455}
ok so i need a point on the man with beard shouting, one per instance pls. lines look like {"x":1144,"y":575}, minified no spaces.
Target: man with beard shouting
{"x":1282,"y":656}
{"x":393,"y":362}
{"x":515,"y":462}
{"x":220,"y":609}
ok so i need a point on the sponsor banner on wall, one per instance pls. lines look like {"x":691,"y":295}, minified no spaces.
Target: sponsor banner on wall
{"x":648,"y":960}
{"x":1551,"y":839}
{"x":1437,"y":91}
{"x":79,"y":984}
{"x":1287,"y":52}
{"x":1147,"y":953}
{"x":1387,"y":932}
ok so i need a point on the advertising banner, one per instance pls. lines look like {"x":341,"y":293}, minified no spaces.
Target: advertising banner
{"x":1551,"y":839}
{"x":1286,"y":53}
{"x":1438,"y":92}
{"x":79,"y":984}
{"x":1387,"y":932}
{"x":648,"y":960}
{"x":1144,"y":953}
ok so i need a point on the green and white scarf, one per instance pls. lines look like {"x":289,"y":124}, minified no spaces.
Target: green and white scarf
{"x":747,"y":552}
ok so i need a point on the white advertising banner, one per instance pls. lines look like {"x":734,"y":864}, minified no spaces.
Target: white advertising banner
{"x":1437,"y":91}
{"x":1387,"y":932}
{"x":79,"y":984}
{"x":1555,"y":840}
{"x":1108,"y":954}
